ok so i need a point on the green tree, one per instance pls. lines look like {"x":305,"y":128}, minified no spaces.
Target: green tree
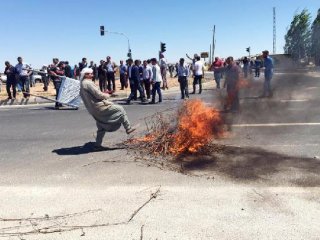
{"x":298,"y":37}
{"x":315,"y":39}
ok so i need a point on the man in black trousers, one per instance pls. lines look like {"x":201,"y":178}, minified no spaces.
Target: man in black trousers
{"x":134,"y":79}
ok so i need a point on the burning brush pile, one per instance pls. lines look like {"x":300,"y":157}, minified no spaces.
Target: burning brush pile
{"x":189,"y":130}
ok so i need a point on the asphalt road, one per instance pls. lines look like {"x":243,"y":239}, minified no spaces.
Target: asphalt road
{"x":264,"y":184}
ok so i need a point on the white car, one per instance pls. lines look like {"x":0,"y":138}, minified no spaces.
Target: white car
{"x":3,"y":78}
{"x":37,"y":77}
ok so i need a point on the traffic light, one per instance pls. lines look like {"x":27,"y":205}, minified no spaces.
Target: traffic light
{"x":162,"y":47}
{"x":248,"y":49}
{"x":102,"y":30}
{"x":129,"y":55}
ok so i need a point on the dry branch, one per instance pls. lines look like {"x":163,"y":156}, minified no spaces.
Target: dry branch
{"x":57,"y":227}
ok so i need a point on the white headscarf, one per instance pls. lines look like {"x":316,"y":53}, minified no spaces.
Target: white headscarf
{"x":84,"y":71}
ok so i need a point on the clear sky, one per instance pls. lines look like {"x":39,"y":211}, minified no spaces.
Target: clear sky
{"x":39,"y":30}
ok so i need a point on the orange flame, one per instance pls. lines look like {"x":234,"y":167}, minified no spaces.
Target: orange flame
{"x":197,"y":125}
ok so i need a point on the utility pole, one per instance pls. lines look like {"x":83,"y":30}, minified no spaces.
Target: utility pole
{"x":210,"y":55}
{"x":213,"y":42}
{"x":274,"y":30}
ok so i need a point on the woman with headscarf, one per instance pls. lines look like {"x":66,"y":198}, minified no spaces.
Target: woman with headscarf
{"x":108,"y":115}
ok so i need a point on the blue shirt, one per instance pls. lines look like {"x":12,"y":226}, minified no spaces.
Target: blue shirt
{"x":21,"y":69}
{"x":257,"y":63}
{"x":268,"y":64}
{"x":183,"y":71}
{"x":123,"y":69}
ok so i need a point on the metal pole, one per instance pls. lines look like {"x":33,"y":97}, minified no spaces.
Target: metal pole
{"x":213,"y":42}
{"x":210,"y":55}
{"x":120,"y":33}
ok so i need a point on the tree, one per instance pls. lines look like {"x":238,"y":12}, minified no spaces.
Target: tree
{"x":298,"y":37}
{"x":315,"y":39}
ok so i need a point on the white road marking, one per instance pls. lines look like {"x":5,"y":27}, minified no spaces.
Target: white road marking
{"x":274,"y":145}
{"x":308,"y":88}
{"x":275,"y":124}
{"x":295,"y":100}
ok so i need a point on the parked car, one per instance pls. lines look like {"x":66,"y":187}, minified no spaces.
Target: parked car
{"x":3,"y":78}
{"x":37,"y":78}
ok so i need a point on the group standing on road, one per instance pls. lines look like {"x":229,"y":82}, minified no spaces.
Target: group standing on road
{"x":144,"y":77}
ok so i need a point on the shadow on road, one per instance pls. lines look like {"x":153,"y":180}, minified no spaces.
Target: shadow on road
{"x":85,"y":149}
{"x":248,"y":164}
{"x":10,"y":102}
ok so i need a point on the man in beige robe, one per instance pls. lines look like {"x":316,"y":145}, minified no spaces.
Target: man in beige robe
{"x":108,"y":115}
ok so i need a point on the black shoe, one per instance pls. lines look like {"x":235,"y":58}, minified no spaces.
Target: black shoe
{"x":99,"y":148}
{"x":131,"y":130}
{"x":152,"y":102}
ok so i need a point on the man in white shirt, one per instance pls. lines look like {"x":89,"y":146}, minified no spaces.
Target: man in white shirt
{"x":156,"y":81}
{"x":111,"y":68}
{"x":147,"y":76}
{"x":198,"y":73}
{"x":163,"y":69}
{"x":24,"y":77}
{"x":183,"y":73}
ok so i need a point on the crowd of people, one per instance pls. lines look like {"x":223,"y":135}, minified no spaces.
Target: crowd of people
{"x":143,"y":77}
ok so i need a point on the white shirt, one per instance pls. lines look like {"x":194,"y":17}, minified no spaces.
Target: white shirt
{"x":147,"y":72}
{"x":156,"y":73}
{"x":110,"y":67}
{"x":163,"y":63}
{"x":198,"y":66}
